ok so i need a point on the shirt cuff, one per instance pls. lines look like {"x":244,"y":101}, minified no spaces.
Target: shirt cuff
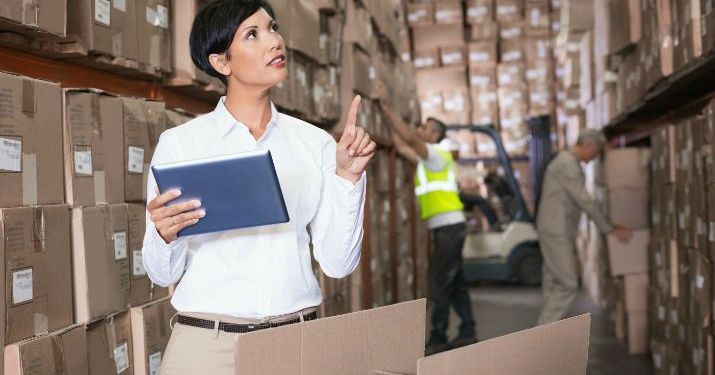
{"x":349,"y":186}
{"x":167,"y":248}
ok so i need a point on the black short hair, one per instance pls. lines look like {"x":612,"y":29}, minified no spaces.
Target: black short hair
{"x":215,"y":26}
{"x":441,"y":127}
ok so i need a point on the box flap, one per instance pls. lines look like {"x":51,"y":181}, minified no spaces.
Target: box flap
{"x":559,"y":348}
{"x":389,"y":339}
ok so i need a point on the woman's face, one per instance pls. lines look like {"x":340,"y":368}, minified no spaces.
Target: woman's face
{"x":257,"y":53}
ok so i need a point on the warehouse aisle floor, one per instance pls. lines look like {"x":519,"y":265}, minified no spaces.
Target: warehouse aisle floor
{"x":505,"y":309}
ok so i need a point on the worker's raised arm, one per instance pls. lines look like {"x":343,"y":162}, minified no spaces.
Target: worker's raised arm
{"x":404,"y":149}
{"x":399,"y":127}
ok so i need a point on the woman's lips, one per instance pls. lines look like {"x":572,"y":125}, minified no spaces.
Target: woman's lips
{"x":278,"y":61}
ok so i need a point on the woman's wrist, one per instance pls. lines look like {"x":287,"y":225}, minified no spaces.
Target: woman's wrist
{"x":352,"y":177}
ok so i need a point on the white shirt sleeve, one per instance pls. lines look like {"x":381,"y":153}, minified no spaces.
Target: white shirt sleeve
{"x":337,"y":228}
{"x":164,"y":263}
{"x":434,"y":161}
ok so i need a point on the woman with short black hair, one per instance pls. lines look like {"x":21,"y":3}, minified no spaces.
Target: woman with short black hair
{"x":243,"y":280}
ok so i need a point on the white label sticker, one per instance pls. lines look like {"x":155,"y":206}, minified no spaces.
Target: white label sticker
{"x":452,"y":58}
{"x":121,"y":357}
{"x":10,"y":155}
{"x":712,"y":231}
{"x":83,"y":162}
{"x":699,"y":282}
{"x":21,"y":286}
{"x":120,"y":245}
{"x":135,"y":160}
{"x":477,"y":12}
{"x":137,"y":263}
{"x":163,"y":16}
{"x":372,"y":73}
{"x":154,"y":363}
{"x":103,"y":12}
{"x":152,"y":17}
{"x":657,"y":361}
{"x":120,"y":5}
{"x":661,"y":313}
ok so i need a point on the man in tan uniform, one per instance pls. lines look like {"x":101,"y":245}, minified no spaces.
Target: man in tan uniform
{"x":564,"y":197}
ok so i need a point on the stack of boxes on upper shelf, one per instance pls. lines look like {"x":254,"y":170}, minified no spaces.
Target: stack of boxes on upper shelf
{"x":612,"y":52}
{"x":71,"y":243}
{"x":681,"y":292}
{"x":485,"y":62}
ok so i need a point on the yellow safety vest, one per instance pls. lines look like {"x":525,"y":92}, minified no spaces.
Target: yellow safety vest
{"x":437,"y":192}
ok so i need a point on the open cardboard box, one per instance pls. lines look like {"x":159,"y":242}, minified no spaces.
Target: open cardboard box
{"x":390,"y":341}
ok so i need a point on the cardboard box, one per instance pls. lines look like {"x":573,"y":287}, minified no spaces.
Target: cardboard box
{"x":538,"y":19}
{"x":60,"y":352}
{"x":109,"y":346}
{"x":629,"y":207}
{"x":437,"y":36}
{"x":45,"y":15}
{"x":559,"y":348}
{"x":174,"y":117}
{"x":142,"y":289}
{"x":300,"y":26}
{"x":431,"y":80}
{"x":448,"y":12}
{"x":358,"y":27}
{"x":631,"y":257}
{"x":420,"y":14}
{"x":183,"y":13}
{"x":485,"y":108}
{"x":326,"y":94}
{"x":93,"y":144}
{"x":487,"y":30}
{"x":482,"y":76}
{"x":373,"y":349}
{"x":509,"y":10}
{"x":30,"y":142}
{"x":483,"y":53}
{"x":577,"y":15}
{"x":150,"y":335}
{"x":512,"y":30}
{"x":511,"y":50}
{"x":136,"y":149}
{"x":454,"y":55}
{"x":480,"y":11}
{"x":101,"y":261}
{"x":35,"y":248}
{"x":627,"y":168}
{"x":510,"y":74}
{"x":104,"y":28}
{"x":426,"y":58}
{"x":153,"y":27}
{"x":538,"y":49}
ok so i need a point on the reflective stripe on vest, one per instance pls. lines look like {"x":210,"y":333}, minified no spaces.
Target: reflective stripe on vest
{"x":426,"y":186}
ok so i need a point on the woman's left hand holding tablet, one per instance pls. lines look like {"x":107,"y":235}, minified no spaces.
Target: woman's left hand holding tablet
{"x":355,"y":148}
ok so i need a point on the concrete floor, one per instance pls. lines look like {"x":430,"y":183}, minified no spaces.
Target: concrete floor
{"x":500,"y":310}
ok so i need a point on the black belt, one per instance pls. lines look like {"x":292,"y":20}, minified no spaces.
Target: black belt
{"x":240,"y":328}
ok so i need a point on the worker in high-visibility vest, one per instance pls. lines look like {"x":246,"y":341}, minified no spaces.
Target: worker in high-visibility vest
{"x":438,"y":195}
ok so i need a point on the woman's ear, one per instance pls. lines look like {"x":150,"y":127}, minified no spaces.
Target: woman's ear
{"x":220,"y":63}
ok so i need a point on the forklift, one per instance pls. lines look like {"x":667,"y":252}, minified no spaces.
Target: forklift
{"x":512,"y":253}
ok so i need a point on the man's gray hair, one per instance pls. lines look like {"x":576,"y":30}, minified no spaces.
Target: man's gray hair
{"x":592,"y":135}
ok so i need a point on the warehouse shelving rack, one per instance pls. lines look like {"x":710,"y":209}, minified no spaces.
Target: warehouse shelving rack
{"x":69,"y":74}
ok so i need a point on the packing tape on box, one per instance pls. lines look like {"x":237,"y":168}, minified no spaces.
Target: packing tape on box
{"x":110,"y":328}
{"x":117,"y":45}
{"x":58,"y":354}
{"x":96,"y":117}
{"x":39,"y":303}
{"x":39,"y":230}
{"x":100,"y":187}
{"x":28,"y":98}
{"x":29,"y":179}
{"x":30,"y":8}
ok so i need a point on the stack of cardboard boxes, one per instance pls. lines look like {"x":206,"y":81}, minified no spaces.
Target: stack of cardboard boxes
{"x":71,"y":242}
{"x":681,"y":295}
{"x":484,"y":62}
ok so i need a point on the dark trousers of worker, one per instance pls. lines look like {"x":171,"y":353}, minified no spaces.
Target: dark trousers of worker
{"x":448,"y":285}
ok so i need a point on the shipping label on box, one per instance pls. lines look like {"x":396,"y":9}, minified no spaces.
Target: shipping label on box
{"x":479,"y":11}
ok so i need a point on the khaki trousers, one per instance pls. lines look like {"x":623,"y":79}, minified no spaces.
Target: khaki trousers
{"x":560,"y":276}
{"x":193,"y":350}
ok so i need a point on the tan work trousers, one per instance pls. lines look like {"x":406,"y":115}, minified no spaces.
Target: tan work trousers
{"x":560,"y":276}
{"x":193,"y":350}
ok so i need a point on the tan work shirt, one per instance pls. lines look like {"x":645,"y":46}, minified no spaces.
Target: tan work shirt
{"x":564,"y":197}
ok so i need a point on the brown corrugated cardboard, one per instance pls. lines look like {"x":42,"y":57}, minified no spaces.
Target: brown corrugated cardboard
{"x":485,"y":110}
{"x":479,"y":11}
{"x":426,"y":58}
{"x":630,"y":257}
{"x":136,"y":148}
{"x":537,"y":49}
{"x":101,"y":262}
{"x":511,"y":30}
{"x":453,"y":55}
{"x":35,"y":250}
{"x":482,"y":76}
{"x":538,"y":20}
{"x":153,"y":27}
{"x":559,"y":348}
{"x":61,"y":352}
{"x":109,"y":346}
{"x":150,"y":334}
{"x":300,"y":26}
{"x":627,"y":168}
{"x":358,"y":27}
{"x":483,"y":53}
{"x":430,"y":80}
{"x":142,"y":289}
{"x":487,"y":30}
{"x":629,"y":207}
{"x":30,"y":142}
{"x":508,"y":10}
{"x":183,"y":13}
{"x":510,"y":74}
{"x":105,"y":28}
{"x":448,"y":12}
{"x":577,"y":15}
{"x":93,"y":157}
{"x":45,"y":15}
{"x":174,"y":118}
{"x":326,"y":94}
{"x":437,"y":36}
{"x":511,"y":50}
{"x":388,"y":339}
{"x":420,"y":14}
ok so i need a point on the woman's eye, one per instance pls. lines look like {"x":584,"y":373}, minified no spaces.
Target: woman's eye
{"x":251,"y":34}
{"x":274,"y":27}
